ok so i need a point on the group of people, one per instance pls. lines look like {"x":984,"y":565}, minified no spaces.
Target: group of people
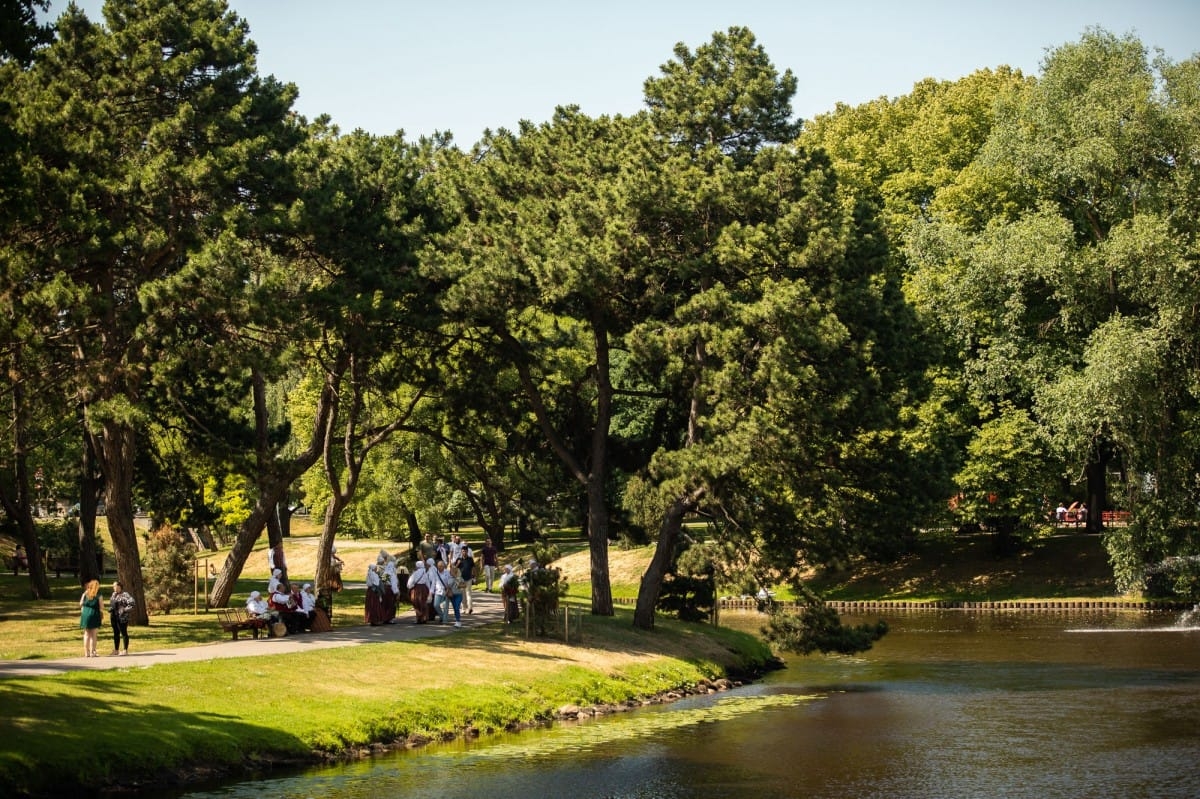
{"x":120,"y":607}
{"x":439,"y":585}
{"x":1076,"y":513}
{"x":295,"y":609}
{"x":441,"y":581}
{"x":383,"y":590}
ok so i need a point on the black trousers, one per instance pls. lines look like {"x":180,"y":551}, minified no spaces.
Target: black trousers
{"x":120,"y":631}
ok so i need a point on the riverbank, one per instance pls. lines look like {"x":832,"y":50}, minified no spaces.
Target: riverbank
{"x":87,"y":732}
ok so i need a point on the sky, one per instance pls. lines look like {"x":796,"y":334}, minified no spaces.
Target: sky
{"x":467,"y":65}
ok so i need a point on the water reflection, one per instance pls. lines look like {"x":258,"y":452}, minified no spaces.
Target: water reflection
{"x":949,"y":704}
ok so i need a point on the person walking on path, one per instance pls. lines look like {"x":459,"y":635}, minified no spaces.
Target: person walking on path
{"x":391,"y":589}
{"x":120,"y":605}
{"x":489,"y":563}
{"x":466,"y":568}
{"x":441,"y":591}
{"x":455,"y":592}
{"x":374,"y":612}
{"x":431,"y":580}
{"x":89,"y":616}
{"x":418,"y":592}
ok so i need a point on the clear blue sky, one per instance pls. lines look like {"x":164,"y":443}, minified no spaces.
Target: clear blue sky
{"x":466,"y":65}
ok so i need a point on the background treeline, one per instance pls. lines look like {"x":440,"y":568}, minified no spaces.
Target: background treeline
{"x":957,"y":307}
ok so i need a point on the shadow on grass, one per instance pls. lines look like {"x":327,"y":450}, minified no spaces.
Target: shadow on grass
{"x":60,"y":742}
{"x":606,"y":636}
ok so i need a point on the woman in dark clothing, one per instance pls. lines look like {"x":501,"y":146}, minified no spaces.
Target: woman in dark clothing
{"x":120,"y":605}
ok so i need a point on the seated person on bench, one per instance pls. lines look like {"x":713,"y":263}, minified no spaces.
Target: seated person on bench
{"x":257,"y":607}
{"x":288,"y":608}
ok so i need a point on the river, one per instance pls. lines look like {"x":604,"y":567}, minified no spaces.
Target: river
{"x":951,"y":704}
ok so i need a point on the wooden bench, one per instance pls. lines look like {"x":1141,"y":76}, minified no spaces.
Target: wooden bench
{"x":234,"y":620}
{"x":1115,"y":517}
{"x":58,"y":565}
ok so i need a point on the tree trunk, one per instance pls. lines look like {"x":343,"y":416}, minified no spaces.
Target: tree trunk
{"x":525,"y":531}
{"x":414,"y":528}
{"x":602,"y":601}
{"x":595,"y":478}
{"x":333,"y":511}
{"x":89,"y":495}
{"x":652,"y":580}
{"x":495,"y":531}
{"x":90,"y":487}
{"x":273,"y":480}
{"x":243,"y":544}
{"x":20,"y":508}
{"x":275,"y":541}
{"x":116,"y":448}
{"x":1097,"y":490}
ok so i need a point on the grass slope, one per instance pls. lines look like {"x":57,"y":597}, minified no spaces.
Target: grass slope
{"x":97,"y":729}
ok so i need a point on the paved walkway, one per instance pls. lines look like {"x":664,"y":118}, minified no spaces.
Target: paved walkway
{"x":487,"y":610}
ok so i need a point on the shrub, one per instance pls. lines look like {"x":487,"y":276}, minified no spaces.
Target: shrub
{"x":167,"y":570}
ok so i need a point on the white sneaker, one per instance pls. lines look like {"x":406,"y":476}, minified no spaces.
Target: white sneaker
{"x":458,"y":624}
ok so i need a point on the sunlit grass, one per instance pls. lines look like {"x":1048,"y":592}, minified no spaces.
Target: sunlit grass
{"x":87,"y":727}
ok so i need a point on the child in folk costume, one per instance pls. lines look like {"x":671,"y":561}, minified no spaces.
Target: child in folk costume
{"x":308,"y":605}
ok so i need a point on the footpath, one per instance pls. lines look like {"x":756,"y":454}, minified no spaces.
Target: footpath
{"x":488,"y":610}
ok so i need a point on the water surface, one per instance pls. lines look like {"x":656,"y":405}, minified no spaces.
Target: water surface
{"x":950,"y":704}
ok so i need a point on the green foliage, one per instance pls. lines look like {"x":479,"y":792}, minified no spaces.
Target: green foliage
{"x":60,"y":537}
{"x":689,"y":590}
{"x":1008,"y":474}
{"x":985,"y":287}
{"x":167,"y":569}
{"x":1158,"y":553}
{"x":818,"y":628}
{"x":545,"y":551}
{"x":541,"y":590}
{"x":688,"y":597}
{"x":229,"y":500}
{"x":726,"y":94}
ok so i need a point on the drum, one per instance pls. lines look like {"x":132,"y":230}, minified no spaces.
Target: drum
{"x":278,"y":629}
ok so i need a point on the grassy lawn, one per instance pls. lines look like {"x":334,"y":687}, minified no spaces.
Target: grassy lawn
{"x":93,"y":728}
